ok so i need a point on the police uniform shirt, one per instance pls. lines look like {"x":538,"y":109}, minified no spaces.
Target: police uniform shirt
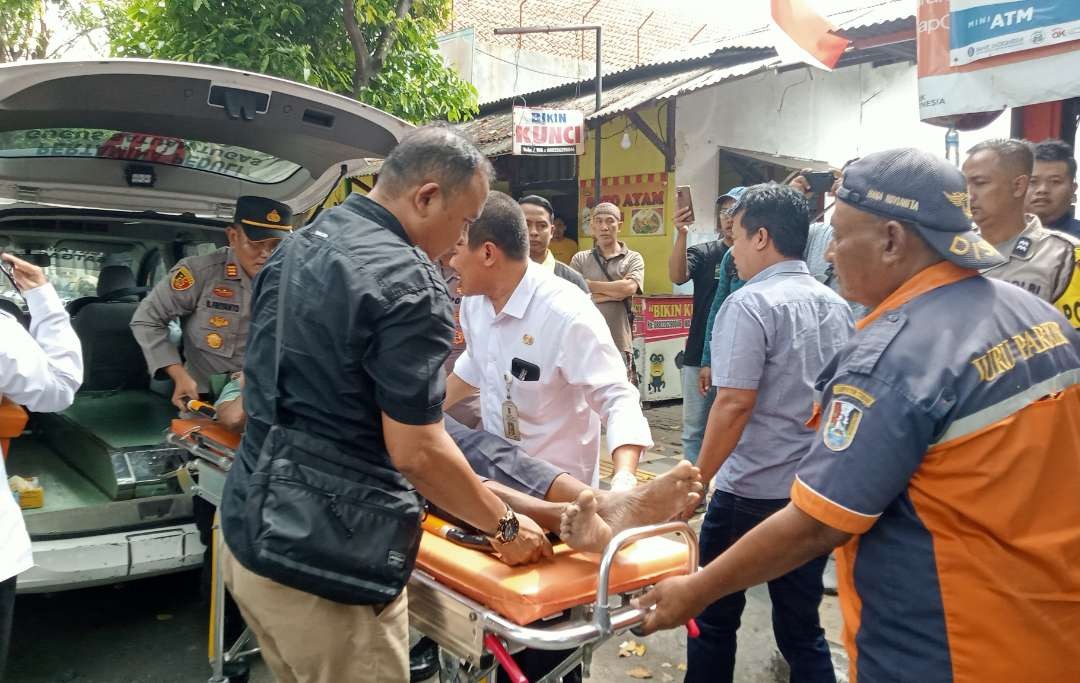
{"x":367,"y":329}
{"x":41,"y":370}
{"x":948,"y":443}
{"x":210,"y":295}
{"x":549,"y":323}
{"x":1044,"y":262}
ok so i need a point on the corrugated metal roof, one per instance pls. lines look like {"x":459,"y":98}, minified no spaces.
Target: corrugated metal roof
{"x":728,"y":53}
{"x":646,"y":91}
{"x":493,"y":133}
{"x":717,"y":76}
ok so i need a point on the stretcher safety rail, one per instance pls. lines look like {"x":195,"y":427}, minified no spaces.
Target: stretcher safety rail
{"x":581,"y":602}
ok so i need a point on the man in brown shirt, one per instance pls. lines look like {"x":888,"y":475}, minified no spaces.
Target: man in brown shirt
{"x":614,"y":274}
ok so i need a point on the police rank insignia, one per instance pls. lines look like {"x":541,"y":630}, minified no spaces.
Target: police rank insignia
{"x":223,"y":292}
{"x":218,"y":321}
{"x":842,"y":423}
{"x":214,"y":340}
{"x":231,"y":271}
{"x":182,"y":279}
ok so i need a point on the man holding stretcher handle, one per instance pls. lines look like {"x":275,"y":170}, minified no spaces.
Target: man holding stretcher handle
{"x":945,"y":465}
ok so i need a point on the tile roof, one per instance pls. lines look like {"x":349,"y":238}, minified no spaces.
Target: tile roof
{"x":620,"y":19}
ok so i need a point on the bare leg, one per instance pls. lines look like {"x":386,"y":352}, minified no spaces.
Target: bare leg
{"x":544,"y":513}
{"x":593,"y":518}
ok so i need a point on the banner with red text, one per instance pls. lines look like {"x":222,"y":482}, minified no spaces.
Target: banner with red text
{"x":548,"y":132}
{"x":641,"y":198}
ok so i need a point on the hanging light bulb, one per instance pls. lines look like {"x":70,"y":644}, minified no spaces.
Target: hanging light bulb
{"x":625,"y":142}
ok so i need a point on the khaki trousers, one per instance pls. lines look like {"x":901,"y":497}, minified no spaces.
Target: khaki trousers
{"x":308,"y":639}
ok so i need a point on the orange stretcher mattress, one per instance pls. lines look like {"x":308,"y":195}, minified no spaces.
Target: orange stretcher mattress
{"x":12,"y":421}
{"x":208,"y":428}
{"x":528,"y":593}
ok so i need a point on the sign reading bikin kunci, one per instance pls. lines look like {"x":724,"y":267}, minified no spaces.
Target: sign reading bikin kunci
{"x":548,"y":132}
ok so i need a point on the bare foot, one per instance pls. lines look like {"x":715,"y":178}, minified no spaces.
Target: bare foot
{"x":582,"y":528}
{"x":659,"y":500}
{"x":589,"y":522}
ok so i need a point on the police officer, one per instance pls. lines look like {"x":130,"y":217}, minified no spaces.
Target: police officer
{"x":210,"y":295}
{"x":1040,"y":260}
{"x":945,"y":462}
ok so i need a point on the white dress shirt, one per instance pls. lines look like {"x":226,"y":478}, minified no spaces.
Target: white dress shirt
{"x":41,"y":370}
{"x":552,"y":324}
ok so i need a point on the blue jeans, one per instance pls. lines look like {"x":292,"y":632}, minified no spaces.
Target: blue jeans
{"x":795,"y":597}
{"x":695,"y":412}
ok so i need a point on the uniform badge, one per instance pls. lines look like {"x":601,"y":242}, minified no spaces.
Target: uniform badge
{"x":231,"y":271}
{"x":841,"y":425}
{"x":214,"y":340}
{"x":1023,"y":245}
{"x":273,"y":216}
{"x":182,"y":279}
{"x":218,"y":321}
{"x":223,"y":292}
{"x":527,"y":340}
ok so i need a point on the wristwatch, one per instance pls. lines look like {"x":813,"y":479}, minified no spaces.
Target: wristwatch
{"x":507,"y":530}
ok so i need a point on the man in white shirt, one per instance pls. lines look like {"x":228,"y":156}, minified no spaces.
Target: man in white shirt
{"x":540,"y":355}
{"x":40,"y":369}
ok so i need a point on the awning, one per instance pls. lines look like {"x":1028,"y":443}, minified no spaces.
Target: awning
{"x":794,"y":163}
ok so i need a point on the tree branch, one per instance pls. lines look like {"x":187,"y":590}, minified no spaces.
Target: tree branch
{"x":359,"y":47}
{"x":386,"y":40}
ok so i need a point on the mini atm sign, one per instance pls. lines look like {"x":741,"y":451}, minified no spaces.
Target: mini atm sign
{"x":548,"y":132}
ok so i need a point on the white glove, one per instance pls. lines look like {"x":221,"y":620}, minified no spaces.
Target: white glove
{"x":623,"y":481}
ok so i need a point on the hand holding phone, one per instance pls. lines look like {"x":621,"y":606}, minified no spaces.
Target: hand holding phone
{"x":9,"y":274}
{"x":684,"y":201}
{"x":820,"y":182}
{"x":22,"y":274}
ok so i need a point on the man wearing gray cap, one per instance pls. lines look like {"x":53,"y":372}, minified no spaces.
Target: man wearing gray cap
{"x":614,"y":274}
{"x":946,"y":417}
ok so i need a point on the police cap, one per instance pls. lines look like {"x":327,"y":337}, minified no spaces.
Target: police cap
{"x":263,"y":218}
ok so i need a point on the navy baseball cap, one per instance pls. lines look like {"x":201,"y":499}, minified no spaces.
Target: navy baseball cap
{"x":917,"y":187}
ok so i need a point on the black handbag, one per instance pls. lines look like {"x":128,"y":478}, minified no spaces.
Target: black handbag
{"x":323,"y":520}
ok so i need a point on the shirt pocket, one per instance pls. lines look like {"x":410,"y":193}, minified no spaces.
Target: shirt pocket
{"x":217,"y":330}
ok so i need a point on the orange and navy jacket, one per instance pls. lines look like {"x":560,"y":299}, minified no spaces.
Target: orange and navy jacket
{"x":949,"y":445}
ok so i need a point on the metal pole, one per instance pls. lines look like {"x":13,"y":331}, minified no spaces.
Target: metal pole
{"x":599,"y":122}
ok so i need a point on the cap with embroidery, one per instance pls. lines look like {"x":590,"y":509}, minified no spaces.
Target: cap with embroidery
{"x":263,"y":218}
{"x":917,"y":187}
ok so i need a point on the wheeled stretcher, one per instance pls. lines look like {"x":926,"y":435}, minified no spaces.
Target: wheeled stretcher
{"x":479,"y":610}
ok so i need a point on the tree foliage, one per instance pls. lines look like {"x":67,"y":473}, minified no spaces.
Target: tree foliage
{"x":26,"y":31}
{"x":386,"y":56}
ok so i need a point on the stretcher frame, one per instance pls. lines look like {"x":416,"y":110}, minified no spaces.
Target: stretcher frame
{"x":474,"y":640}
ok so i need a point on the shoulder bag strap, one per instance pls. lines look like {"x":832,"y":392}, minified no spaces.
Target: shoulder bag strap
{"x":279,"y":322}
{"x":603,"y":269}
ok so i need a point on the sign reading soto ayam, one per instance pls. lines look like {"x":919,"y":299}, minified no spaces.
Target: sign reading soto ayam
{"x":548,"y":132}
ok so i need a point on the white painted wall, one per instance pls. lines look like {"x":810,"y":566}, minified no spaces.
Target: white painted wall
{"x":804,"y":113}
{"x":499,"y":71}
